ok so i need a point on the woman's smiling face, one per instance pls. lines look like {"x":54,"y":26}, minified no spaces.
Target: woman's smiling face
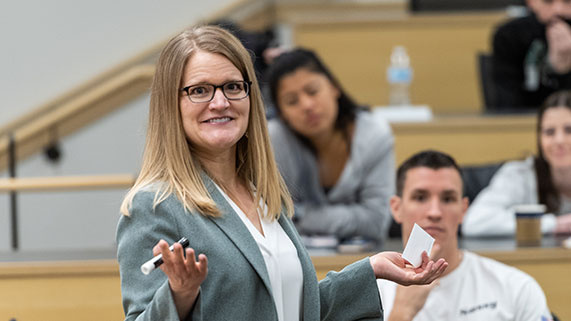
{"x":219,"y":124}
{"x":555,"y":137}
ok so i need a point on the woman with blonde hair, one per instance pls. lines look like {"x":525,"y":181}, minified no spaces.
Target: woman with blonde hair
{"x":208,"y":174}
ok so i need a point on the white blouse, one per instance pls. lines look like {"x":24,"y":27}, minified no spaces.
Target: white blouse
{"x":282,"y":262}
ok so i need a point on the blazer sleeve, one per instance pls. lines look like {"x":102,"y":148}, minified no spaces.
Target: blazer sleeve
{"x":351,"y":294}
{"x":145,"y":297}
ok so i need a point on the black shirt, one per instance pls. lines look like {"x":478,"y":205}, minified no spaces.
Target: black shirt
{"x":521,"y":72}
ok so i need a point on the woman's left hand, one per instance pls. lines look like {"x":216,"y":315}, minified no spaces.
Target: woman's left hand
{"x":391,"y":266}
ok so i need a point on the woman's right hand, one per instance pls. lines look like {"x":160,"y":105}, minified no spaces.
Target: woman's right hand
{"x":185,"y":274}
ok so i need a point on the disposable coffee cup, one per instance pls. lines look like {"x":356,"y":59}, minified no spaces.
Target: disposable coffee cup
{"x":528,"y":224}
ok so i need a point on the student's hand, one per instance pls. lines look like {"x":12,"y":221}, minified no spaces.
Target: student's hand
{"x":391,"y":266}
{"x":558,"y":34}
{"x":409,"y":300}
{"x":563,"y":224}
{"x":185,"y":274}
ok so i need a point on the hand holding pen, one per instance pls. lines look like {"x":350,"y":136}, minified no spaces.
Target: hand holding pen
{"x":185,"y":274}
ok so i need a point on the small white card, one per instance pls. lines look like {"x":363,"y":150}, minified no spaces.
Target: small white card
{"x":418,"y":242}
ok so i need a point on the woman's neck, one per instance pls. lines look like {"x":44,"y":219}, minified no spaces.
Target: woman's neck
{"x":332,"y":153}
{"x":332,"y":139}
{"x":325,"y":141}
{"x":562,"y":180}
{"x":221,"y":166}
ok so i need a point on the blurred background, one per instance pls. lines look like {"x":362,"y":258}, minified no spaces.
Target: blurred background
{"x":74,"y":80}
{"x":74,"y":83}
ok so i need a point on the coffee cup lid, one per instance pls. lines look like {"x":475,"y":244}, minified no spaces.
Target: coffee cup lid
{"x":529,"y":208}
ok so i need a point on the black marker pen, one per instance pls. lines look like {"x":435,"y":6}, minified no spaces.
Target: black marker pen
{"x":155,"y":262}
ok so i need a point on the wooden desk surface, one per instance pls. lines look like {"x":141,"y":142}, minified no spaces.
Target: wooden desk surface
{"x":470,"y":139}
{"x":64,"y":288}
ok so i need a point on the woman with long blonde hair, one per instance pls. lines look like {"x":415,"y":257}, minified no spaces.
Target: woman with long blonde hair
{"x":208,"y":175}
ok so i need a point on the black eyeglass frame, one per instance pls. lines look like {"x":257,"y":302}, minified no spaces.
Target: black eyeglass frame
{"x":248,"y":85}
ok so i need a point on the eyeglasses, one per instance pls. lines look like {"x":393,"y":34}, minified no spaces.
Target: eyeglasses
{"x":232,"y":90}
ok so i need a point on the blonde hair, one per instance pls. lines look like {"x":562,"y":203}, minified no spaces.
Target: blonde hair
{"x":168,"y":158}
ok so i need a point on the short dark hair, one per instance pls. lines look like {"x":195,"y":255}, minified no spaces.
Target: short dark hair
{"x":428,"y":158}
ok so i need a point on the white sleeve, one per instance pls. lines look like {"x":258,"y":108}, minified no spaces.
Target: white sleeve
{"x":491,"y":212}
{"x":530,"y":303}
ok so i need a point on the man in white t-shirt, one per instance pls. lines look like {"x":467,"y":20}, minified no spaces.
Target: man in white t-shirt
{"x":429,"y":193}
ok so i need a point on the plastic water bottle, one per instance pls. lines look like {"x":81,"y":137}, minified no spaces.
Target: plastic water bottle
{"x":399,"y":76}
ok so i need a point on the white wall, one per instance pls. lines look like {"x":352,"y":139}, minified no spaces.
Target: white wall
{"x":79,"y":219}
{"x":49,"y":47}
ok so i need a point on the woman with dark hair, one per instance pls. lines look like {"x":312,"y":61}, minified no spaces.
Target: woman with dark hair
{"x":336,"y":158}
{"x":543,"y":179}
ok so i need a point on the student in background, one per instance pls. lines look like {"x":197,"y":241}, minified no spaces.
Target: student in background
{"x":532,"y":55}
{"x":543,"y":179}
{"x":429,"y":193}
{"x":336,"y":158}
{"x":208,"y":174}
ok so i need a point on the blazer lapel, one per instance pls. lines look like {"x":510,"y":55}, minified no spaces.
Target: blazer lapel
{"x":310,"y":303}
{"x":237,"y":232}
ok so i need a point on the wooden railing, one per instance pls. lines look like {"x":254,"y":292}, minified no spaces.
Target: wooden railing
{"x":106,"y":92}
{"x":59,"y":183}
{"x":91,"y":105}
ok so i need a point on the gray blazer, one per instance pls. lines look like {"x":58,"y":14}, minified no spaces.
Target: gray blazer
{"x":237,"y":286}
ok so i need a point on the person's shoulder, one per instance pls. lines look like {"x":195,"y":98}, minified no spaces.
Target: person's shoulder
{"x":146,"y":200}
{"x":147,"y":193}
{"x":507,"y":274}
{"x":518,"y":25}
{"x":278,"y":130}
{"x":518,"y":166}
{"x":373,"y":137}
{"x":283,"y":139}
{"x":372,"y":124}
{"x":276,"y":124}
{"x":514,"y":36}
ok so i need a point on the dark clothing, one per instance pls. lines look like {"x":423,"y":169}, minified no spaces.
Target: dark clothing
{"x":256,"y":42}
{"x":521,"y":72}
